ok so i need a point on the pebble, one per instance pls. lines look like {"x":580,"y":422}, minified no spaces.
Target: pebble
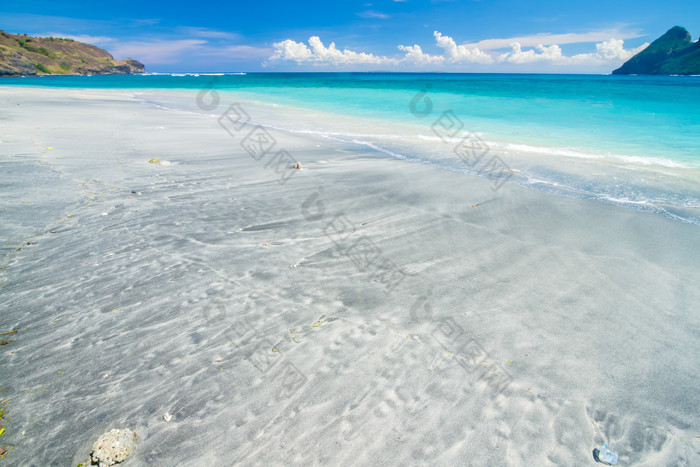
{"x":113,"y":447}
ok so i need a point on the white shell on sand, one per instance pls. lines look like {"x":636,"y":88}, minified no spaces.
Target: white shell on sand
{"x":113,"y":447}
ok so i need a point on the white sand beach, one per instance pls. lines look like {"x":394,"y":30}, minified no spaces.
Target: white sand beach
{"x":367,"y":311}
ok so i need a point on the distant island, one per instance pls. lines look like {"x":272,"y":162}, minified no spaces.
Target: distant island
{"x":22,"y":55}
{"x":674,"y":53}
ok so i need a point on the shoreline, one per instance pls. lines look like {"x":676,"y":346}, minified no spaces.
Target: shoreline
{"x":545,"y":169}
{"x":71,"y":74}
{"x":263,"y":315}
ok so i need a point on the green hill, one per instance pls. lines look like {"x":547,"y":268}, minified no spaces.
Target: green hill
{"x":21,"y":55}
{"x":674,"y":53}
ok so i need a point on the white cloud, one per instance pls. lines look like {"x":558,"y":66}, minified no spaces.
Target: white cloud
{"x":539,"y":53}
{"x":289,"y":50}
{"x":611,"y":50}
{"x":414,"y":54}
{"x":614,"y":50}
{"x":608,"y":52}
{"x":460,"y":53}
{"x":452,"y":53}
{"x":321,"y":55}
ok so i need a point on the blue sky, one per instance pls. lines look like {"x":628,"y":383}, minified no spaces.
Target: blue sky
{"x":408,"y":35}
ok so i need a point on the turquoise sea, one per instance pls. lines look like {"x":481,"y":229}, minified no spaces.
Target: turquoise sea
{"x":626,"y":140}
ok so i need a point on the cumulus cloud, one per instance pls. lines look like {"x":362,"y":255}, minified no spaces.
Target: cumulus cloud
{"x":608,"y":51}
{"x":613,"y":50}
{"x":460,"y":53}
{"x":319,"y":54}
{"x":452,"y":53}
{"x":539,"y":53}
{"x":414,"y":54}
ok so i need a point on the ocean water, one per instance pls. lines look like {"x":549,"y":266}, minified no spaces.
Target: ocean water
{"x":627,"y":140}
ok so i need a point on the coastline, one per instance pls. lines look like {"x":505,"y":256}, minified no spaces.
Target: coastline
{"x":70,"y":74}
{"x":665,"y":186}
{"x":199,"y":270}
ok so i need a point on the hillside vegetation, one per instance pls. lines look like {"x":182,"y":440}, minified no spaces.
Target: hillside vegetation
{"x":22,"y":55}
{"x":674,"y":53}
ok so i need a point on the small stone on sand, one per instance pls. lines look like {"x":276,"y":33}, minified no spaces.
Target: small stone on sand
{"x":112,"y":447}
